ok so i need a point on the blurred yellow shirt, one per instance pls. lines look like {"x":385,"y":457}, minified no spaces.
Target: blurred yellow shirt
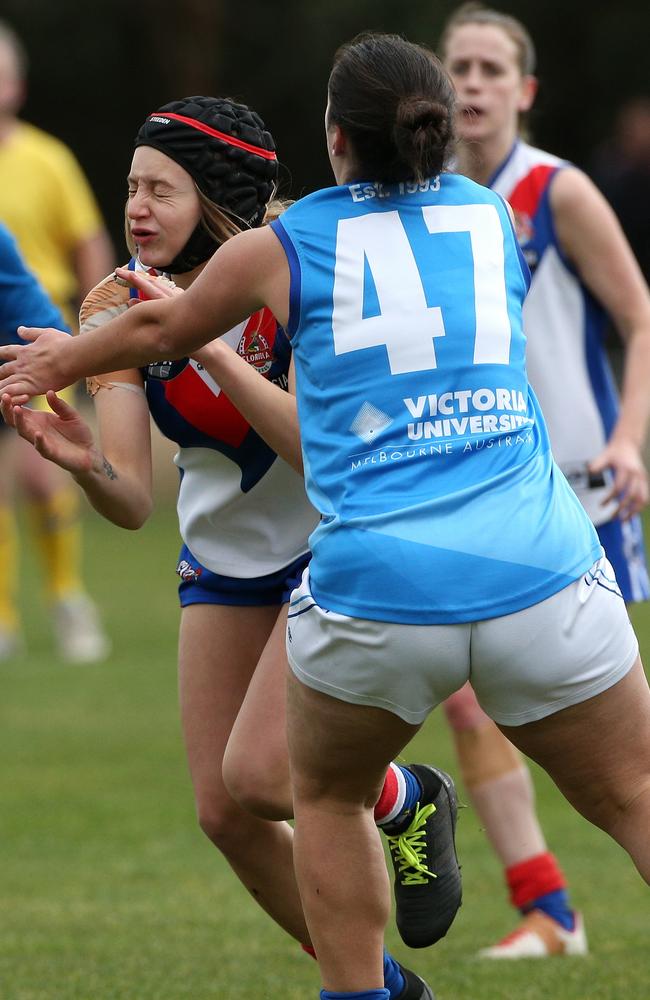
{"x":47,"y":203}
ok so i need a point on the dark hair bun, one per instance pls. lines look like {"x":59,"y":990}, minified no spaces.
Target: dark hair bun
{"x":421,"y":125}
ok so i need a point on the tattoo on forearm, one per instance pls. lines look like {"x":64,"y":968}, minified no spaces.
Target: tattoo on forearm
{"x":108,"y":469}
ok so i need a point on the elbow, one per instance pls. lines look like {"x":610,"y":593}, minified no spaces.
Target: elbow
{"x":165,"y":344}
{"x":133,"y":519}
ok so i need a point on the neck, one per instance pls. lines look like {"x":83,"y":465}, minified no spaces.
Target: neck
{"x":345,"y":170}
{"x":479,"y":160}
{"x":186,"y":279}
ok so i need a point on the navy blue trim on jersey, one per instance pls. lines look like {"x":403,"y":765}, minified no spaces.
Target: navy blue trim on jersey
{"x":295,"y":285}
{"x":523,"y":263}
{"x":252,"y":455}
{"x":624,"y":547}
{"x":600,"y":375}
{"x":200,"y":586}
{"x":502,"y":166}
{"x":544,"y":218}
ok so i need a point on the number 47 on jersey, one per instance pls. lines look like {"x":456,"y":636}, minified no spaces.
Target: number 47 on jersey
{"x":406,"y":326}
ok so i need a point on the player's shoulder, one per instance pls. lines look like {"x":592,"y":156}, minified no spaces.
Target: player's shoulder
{"x":315,"y":201}
{"x":42,"y":145}
{"x":532,"y":156}
{"x":460,"y":187}
{"x":103,"y":303}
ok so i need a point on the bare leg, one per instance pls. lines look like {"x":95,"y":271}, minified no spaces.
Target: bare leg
{"x":497,"y":780}
{"x":57,"y":531}
{"x":256,"y":771}
{"x":598,"y":754}
{"x":219,"y":650}
{"x":339,"y":754}
{"x":55,"y":521}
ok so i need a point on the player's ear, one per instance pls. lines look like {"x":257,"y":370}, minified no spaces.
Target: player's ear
{"x":337,"y":141}
{"x":528,"y":93}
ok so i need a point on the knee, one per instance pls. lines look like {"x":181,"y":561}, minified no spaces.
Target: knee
{"x":263,"y":790}
{"x":463,"y":710}
{"x":222,"y":821}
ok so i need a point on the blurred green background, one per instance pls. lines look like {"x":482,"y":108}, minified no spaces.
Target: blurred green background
{"x":109,"y":891}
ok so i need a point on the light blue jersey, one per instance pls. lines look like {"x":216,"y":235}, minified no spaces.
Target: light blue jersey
{"x":425,"y":449}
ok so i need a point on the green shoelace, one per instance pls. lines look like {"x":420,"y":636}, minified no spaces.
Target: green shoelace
{"x":409,"y":849}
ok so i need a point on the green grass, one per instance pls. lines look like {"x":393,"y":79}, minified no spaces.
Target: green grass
{"x":108,"y":889}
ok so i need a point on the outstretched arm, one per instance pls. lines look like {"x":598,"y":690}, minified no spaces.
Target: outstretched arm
{"x":268,"y":408}
{"x":249,"y":271}
{"x":115,"y":476}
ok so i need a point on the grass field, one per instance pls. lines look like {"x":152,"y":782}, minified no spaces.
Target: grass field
{"x":109,"y":891}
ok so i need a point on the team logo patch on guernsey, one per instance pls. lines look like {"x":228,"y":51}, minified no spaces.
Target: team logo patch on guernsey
{"x":187,"y":572}
{"x":255,"y":348}
{"x":523,"y":227}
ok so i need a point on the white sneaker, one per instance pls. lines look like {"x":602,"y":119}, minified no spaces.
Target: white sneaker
{"x":11,"y":644}
{"x":539,"y":936}
{"x":79,"y":634}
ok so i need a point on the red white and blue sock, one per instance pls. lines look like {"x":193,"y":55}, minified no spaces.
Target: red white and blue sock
{"x":399,"y":797}
{"x":539,"y":884}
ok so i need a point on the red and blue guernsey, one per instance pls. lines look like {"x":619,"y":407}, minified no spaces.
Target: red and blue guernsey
{"x":425,"y":449}
{"x":242,"y":510}
{"x":567,"y":361}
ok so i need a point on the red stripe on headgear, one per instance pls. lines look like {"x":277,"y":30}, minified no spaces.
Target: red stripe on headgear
{"x":256,"y":150}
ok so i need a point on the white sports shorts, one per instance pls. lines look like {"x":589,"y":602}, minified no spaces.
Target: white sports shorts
{"x":522,"y":666}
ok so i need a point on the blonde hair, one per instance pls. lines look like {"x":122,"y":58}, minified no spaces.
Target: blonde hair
{"x":477,"y":13}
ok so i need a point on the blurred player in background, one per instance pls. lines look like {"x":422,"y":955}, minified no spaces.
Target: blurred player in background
{"x":583,"y":271}
{"x":20,"y":296}
{"x":47,"y":204}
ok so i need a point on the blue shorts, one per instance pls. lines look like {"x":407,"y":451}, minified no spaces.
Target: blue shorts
{"x":625,"y":549}
{"x":200,"y":586}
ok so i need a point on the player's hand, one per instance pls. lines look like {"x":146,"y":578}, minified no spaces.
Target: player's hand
{"x":62,"y":436}
{"x":31,"y":369}
{"x":151,"y":286}
{"x":630,"y":486}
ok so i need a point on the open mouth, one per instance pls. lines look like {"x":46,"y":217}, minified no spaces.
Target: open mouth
{"x":471,"y":113}
{"x":142,"y":235}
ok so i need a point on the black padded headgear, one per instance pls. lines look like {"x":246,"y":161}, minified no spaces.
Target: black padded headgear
{"x":230,"y":154}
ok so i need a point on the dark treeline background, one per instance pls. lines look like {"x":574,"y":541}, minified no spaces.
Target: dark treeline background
{"x":97,"y":69}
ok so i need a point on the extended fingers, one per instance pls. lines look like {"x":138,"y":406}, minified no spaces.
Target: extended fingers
{"x":633,"y":496}
{"x":7,"y":409}
{"x":9,"y":352}
{"x":152,"y":286}
{"x":17,"y":390}
{"x":23,"y":424}
{"x":32,"y":333}
{"x":59,"y":406}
